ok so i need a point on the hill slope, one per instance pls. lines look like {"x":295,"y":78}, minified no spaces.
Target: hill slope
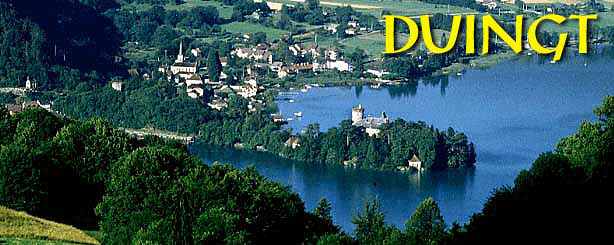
{"x":20,"y":227}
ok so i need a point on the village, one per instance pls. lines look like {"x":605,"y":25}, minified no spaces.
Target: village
{"x":259,"y":65}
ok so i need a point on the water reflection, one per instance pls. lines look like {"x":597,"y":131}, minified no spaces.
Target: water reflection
{"x":347,"y":188}
{"x":512,"y":112}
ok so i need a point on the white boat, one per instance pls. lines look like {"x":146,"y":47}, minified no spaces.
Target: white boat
{"x":298,"y":114}
{"x":459,"y":73}
{"x":529,"y":53}
{"x":291,"y":101}
{"x":552,"y":62}
{"x":289,"y":119}
{"x":377,"y":85}
{"x":304,"y":90}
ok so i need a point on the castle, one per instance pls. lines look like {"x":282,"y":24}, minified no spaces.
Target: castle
{"x":371,"y":124}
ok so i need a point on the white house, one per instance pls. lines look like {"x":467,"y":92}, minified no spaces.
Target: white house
{"x":339,"y":65}
{"x":117,"y":85}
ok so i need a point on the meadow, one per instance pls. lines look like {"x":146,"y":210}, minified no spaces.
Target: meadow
{"x":248,"y":27}
{"x":21,"y":228}
{"x":407,"y":8}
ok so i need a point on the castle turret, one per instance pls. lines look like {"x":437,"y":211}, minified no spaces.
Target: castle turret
{"x":357,"y":113}
{"x":30,"y":85}
{"x":385,"y":117}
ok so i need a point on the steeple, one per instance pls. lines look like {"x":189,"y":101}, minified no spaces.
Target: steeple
{"x":180,"y":55}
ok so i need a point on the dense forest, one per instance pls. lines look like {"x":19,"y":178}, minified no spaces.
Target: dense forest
{"x":159,"y":106}
{"x":58,"y":46}
{"x":88,"y":174}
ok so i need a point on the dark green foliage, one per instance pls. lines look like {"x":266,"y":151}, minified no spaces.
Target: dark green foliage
{"x":398,"y":141}
{"x":158,"y":105}
{"x":370,"y":225}
{"x":7,"y":98}
{"x":146,"y":188}
{"x":426,"y":225}
{"x":214,"y":66}
{"x":166,"y":195}
{"x":154,"y":191}
{"x":42,"y":45}
{"x":21,"y":49}
{"x":98,"y":144}
{"x":560,"y":191}
{"x":21,"y":185}
{"x":335,"y":239}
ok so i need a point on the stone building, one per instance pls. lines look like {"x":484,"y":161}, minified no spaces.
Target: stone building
{"x":371,"y":124}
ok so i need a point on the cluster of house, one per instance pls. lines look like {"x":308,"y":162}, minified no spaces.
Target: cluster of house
{"x":353,"y":28}
{"x":16,"y":108}
{"x":195,"y":79}
{"x":321,"y":58}
{"x":493,"y":4}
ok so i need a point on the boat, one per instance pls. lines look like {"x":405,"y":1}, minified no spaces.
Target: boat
{"x":552,"y":62}
{"x":289,"y":119}
{"x":298,"y":114}
{"x":377,"y":85}
{"x":291,"y":101}
{"x":304,"y":90}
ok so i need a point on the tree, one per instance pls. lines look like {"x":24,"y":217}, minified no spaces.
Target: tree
{"x":165,"y":38}
{"x":258,"y":37}
{"x":214,"y":66}
{"x":370,"y":226}
{"x":426,"y":225}
{"x":145,"y":187}
{"x":323,"y":210}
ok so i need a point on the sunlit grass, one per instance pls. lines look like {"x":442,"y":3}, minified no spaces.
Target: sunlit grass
{"x":247,"y":27}
{"x":19,"y":227}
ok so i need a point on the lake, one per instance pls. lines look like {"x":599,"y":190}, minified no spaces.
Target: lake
{"x":512,"y":112}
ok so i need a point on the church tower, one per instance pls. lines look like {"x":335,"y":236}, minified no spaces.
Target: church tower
{"x":180,"y":58}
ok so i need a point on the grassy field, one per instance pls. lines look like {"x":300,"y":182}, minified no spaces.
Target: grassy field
{"x":406,"y":7}
{"x":247,"y":27}
{"x":21,"y":228}
{"x":604,"y":19}
{"x":373,"y":43}
{"x":225,"y":11}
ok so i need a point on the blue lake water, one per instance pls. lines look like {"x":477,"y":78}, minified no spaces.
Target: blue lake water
{"x":512,"y":112}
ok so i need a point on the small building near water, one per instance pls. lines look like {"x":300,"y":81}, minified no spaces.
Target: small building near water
{"x":413,"y":163}
{"x":293,"y":142}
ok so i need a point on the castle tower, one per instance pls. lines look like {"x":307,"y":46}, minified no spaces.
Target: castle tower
{"x":180,"y":58}
{"x":28,"y":83}
{"x":357,"y":113}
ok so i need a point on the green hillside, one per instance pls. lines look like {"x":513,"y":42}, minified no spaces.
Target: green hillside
{"x":20,"y":227}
